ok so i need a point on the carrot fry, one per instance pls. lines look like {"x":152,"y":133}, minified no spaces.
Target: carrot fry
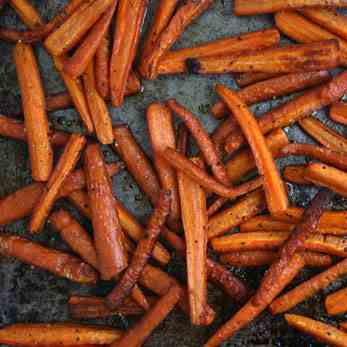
{"x":243,"y":162}
{"x":129,"y":20}
{"x":173,"y":62}
{"x":274,"y":87}
{"x":77,"y":64}
{"x":102,"y":61}
{"x":58,"y":334}
{"x":33,"y":103}
{"x":162,"y":134}
{"x":75,"y":27}
{"x":184,"y":15}
{"x":97,"y":107}
{"x":221,"y":133}
{"x":247,"y":78}
{"x":182,"y":139}
{"x":58,"y":101}
{"x":203,"y":140}
{"x":261,"y":258}
{"x":136,"y":161}
{"x":108,"y":235}
{"x":66,"y":164}
{"x":338,"y":113}
{"x":320,"y":331}
{"x":275,"y":192}
{"x":336,"y":303}
{"x":295,"y":109}
{"x":295,"y":174}
{"x":75,"y":236}
{"x":57,"y":262}
{"x":249,"y":7}
{"x":75,"y":89}
{"x":27,"y":13}
{"x":251,"y":310}
{"x":142,"y":253}
{"x":250,"y":205}
{"x":324,"y":135}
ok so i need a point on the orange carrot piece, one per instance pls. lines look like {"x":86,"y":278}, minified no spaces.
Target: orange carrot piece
{"x":62,"y":334}
{"x":58,"y":101}
{"x":338,"y":112}
{"x":182,"y":139}
{"x":221,"y":133}
{"x":108,"y":234}
{"x":247,"y":78}
{"x":320,"y":331}
{"x":295,"y":174}
{"x":33,"y":103}
{"x":66,"y":164}
{"x":57,"y":262}
{"x":27,"y":13}
{"x":139,"y":297}
{"x":343,"y":325}
{"x":335,"y":303}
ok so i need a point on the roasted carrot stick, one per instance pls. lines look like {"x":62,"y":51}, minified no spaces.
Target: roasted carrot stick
{"x":174,"y":61}
{"x":58,"y":101}
{"x":295,"y":109}
{"x":108,"y":235}
{"x":139,"y":297}
{"x":314,"y":56}
{"x":335,"y":303}
{"x":57,"y":262}
{"x":249,"y":7}
{"x":66,"y":164}
{"x":184,"y":15}
{"x":275,"y":192}
{"x":136,"y":161}
{"x":247,"y":78}
{"x":162,"y":134}
{"x":77,"y":64}
{"x":250,"y":205}
{"x":260,"y":258}
{"x":75,"y":236}
{"x":338,"y":112}
{"x":251,"y":310}
{"x":75,"y":27}
{"x":221,"y":133}
{"x":182,"y":139}
{"x":309,"y":288}
{"x":58,"y":334}
{"x":75,"y":88}
{"x":320,"y":331}
{"x":97,"y":107}
{"x":33,"y":103}
{"x":27,"y":13}
{"x":129,"y":20}
{"x":274,"y":87}
{"x":295,"y":174}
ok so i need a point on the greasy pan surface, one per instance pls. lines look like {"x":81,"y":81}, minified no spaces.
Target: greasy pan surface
{"x":32,"y":295}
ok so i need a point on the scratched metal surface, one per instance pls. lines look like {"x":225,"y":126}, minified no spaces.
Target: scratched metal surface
{"x":32,"y":295}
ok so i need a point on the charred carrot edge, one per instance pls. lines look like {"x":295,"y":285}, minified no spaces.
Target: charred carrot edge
{"x":57,"y":334}
{"x":162,"y":15}
{"x":274,"y":87}
{"x":295,"y":109}
{"x":324,"y":135}
{"x":136,"y":161}
{"x":182,"y":139}
{"x":247,"y":78}
{"x":108,"y":235}
{"x":162,"y":134}
{"x":33,"y":103}
{"x":75,"y":27}
{"x":243,"y":162}
{"x":309,"y":288}
{"x":139,"y":333}
{"x":203,"y":140}
{"x":295,"y":174}
{"x":57,"y":262}
{"x":27,"y":13}
{"x":320,"y":331}
{"x":314,"y":56}
{"x":97,"y":107}
{"x":251,"y":310}
{"x":275,"y":192}
{"x":300,"y":29}
{"x":75,"y":89}
{"x":338,"y":112}
{"x":250,"y":7}
{"x":58,"y":101}
{"x":75,"y":236}
{"x":142,"y":253}
{"x":184,"y":15}
{"x":129,"y":20}
{"x":78,"y":62}
{"x":66,"y":164}
{"x":335,"y":303}
{"x":249,"y":206}
{"x":174,"y":61}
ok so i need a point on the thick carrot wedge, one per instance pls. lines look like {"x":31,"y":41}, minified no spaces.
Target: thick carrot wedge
{"x":62,"y":334}
{"x":33,"y":103}
{"x":320,"y":331}
{"x":66,"y":164}
{"x":102,"y":61}
{"x":295,"y":174}
{"x":338,"y":112}
{"x":335,"y":303}
{"x":27,"y":13}
{"x":108,"y":234}
{"x":247,"y":78}
{"x":59,"y":263}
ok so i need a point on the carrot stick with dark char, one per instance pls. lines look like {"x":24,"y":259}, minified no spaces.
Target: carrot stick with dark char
{"x":247,"y":78}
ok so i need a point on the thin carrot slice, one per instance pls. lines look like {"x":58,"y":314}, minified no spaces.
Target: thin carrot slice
{"x":338,"y":112}
{"x":295,"y":174}
{"x":247,"y":78}
{"x":335,"y":303}
{"x":27,"y":13}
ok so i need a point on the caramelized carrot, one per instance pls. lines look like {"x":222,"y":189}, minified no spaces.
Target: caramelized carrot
{"x":182,"y":139}
{"x":335,"y":303}
{"x":247,"y":78}
{"x":295,"y":174}
{"x":58,"y":101}
{"x":102,"y":61}
{"x":27,"y":13}
{"x":338,"y":112}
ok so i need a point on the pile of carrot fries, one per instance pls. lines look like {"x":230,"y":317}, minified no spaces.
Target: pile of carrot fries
{"x":229,"y":197}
